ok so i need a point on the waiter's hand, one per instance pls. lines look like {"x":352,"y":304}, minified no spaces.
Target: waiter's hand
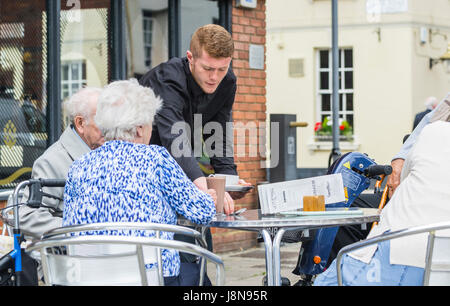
{"x":394,"y":178}
{"x":236,"y":195}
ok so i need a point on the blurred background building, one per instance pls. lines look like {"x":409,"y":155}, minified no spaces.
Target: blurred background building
{"x":393,"y":54}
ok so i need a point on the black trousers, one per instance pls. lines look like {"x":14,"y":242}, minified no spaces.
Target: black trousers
{"x":189,"y":276}
{"x":185,"y":257}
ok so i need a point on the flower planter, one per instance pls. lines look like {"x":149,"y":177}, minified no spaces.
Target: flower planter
{"x":330,"y":138}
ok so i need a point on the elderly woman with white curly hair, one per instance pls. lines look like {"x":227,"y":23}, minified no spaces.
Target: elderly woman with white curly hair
{"x":127,"y":180}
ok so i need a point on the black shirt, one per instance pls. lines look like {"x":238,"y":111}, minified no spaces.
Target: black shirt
{"x":419,"y":117}
{"x":182,"y":98}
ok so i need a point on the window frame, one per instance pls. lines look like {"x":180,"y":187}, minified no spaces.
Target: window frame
{"x":343,"y":92}
{"x":147,"y":16}
{"x":81,"y":81}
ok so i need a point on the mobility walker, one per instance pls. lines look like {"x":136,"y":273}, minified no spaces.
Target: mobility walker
{"x":17,"y":268}
{"x":357,"y":171}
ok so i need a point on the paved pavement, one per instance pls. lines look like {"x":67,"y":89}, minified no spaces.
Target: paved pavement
{"x":248,"y":267}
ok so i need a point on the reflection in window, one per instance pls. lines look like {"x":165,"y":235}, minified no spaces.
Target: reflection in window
{"x":73,"y":77}
{"x":195,"y":13}
{"x":147,"y":35}
{"x":84,"y":47}
{"x":147,"y":22}
{"x":85,"y":58}
{"x":23,"y":95}
{"x":148,"y":30}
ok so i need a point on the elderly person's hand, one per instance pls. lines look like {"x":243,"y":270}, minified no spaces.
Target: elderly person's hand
{"x":394,"y":178}
{"x":213,"y":194}
{"x":228,"y":204}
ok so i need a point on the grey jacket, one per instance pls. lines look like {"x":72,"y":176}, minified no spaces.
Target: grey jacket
{"x":54,"y":163}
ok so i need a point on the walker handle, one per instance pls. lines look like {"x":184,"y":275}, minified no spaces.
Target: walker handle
{"x":375,"y":170}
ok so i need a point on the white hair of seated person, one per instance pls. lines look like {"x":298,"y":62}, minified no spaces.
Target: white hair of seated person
{"x":79,"y":104}
{"x":431,"y":103}
{"x":123,"y":106}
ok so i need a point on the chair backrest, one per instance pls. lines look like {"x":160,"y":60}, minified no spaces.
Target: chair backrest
{"x":437,"y":263}
{"x":71,"y":259}
{"x":437,"y":268}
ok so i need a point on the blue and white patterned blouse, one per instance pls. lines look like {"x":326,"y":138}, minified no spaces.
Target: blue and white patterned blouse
{"x":127,"y":182}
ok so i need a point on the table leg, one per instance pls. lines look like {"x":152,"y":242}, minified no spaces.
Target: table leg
{"x":268,"y":245}
{"x":277,"y":257}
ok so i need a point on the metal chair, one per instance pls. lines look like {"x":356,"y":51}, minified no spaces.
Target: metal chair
{"x":6,"y":213}
{"x":437,"y":262}
{"x":68,"y":258}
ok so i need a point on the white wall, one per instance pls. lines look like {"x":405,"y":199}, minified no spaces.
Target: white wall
{"x":391,"y":73}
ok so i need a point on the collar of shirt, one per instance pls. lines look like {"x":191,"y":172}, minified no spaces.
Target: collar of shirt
{"x":76,"y":133}
{"x":200,"y":98}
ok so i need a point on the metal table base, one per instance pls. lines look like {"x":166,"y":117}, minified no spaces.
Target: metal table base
{"x":253,"y":220}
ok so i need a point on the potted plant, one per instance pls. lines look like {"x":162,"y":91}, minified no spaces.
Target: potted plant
{"x":324,"y":130}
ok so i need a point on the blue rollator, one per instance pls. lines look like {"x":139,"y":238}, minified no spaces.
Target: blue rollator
{"x":17,"y":268}
{"x":357,"y":171}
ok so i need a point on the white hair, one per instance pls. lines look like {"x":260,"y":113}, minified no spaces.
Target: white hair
{"x":79,"y":104}
{"x":123,"y":106}
{"x":431,"y":102}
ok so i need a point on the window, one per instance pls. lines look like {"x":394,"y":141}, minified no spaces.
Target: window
{"x":148,"y":23}
{"x":325,"y":87}
{"x":148,"y":40}
{"x":73,"y":77}
{"x":23,"y":98}
{"x":195,"y":13}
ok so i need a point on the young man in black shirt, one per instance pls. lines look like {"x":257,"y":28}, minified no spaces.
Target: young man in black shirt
{"x":196,"y":90}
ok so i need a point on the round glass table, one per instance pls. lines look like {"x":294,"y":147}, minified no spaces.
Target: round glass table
{"x":273,"y":227}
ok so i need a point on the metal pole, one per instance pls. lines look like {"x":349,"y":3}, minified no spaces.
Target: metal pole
{"x":335,"y":152}
{"x":118,"y":56}
{"x":53,"y":71}
{"x":225,"y":14}
{"x":174,"y":28}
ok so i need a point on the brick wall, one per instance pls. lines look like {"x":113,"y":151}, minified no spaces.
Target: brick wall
{"x":249,"y":111}
{"x":2,"y":205}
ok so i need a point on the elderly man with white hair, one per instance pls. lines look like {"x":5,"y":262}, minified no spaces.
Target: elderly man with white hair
{"x":81,"y":136}
{"x":127,"y":180}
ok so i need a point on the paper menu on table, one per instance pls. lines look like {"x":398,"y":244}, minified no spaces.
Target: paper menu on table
{"x":285,"y":196}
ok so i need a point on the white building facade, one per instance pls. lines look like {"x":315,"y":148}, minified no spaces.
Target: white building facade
{"x":390,"y":63}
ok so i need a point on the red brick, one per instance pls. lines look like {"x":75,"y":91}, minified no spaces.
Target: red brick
{"x":249,"y":13}
{"x":237,"y":28}
{"x":248,"y":27}
{"x":241,"y":46}
{"x":250,"y":30}
{"x":258,"y":39}
{"x":260,"y":15}
{"x":258,"y":23}
{"x":244,"y":20}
